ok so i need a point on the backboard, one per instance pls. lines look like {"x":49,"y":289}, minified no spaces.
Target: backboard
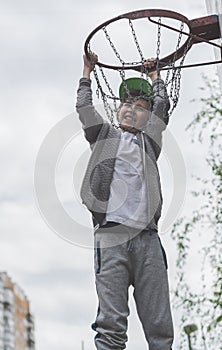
{"x":215,"y":7}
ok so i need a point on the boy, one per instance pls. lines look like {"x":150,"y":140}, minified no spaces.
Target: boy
{"x":121,"y":188}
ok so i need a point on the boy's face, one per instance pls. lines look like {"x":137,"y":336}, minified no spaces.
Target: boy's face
{"x":134,"y":115}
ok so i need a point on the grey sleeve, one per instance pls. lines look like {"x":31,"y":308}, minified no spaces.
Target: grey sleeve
{"x":159,"y":117}
{"x":161,"y":103}
{"x":91,"y":120}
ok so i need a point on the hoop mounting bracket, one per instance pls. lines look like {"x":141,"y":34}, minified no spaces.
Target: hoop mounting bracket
{"x":207,"y":27}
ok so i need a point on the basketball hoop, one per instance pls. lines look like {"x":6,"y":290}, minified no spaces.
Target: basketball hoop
{"x":187,"y":33}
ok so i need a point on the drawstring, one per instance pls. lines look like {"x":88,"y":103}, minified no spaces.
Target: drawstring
{"x":143,"y":152}
{"x":130,"y":246}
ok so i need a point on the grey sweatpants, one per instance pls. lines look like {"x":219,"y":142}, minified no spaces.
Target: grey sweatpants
{"x":138,"y":260}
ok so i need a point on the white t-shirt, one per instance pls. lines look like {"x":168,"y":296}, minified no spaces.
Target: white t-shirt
{"x":128,"y":198}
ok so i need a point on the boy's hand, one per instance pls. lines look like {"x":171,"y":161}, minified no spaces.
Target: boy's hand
{"x":151,"y":63}
{"x":89,"y":64}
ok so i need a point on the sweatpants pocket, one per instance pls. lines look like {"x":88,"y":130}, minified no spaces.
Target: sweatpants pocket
{"x":163,"y":253}
{"x":97,"y":258}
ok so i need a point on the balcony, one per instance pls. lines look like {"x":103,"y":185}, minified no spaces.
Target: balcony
{"x":1,"y":295}
{"x":31,"y":343}
{"x":9,"y":340}
{"x":29,"y":322}
{"x":8,"y":297}
{"x":30,"y":318}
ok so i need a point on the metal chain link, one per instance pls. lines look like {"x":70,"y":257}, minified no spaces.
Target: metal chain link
{"x":123,"y":78}
{"x":108,"y":109}
{"x":158,"y":48}
{"x":112,"y":46}
{"x":158,"y":41}
{"x":136,"y":41}
{"x":176,"y":73}
{"x":172,"y":64}
{"x":177,"y":80}
{"x":134,"y":63}
{"x":99,"y":91}
{"x":143,"y":69}
{"x":112,"y":95}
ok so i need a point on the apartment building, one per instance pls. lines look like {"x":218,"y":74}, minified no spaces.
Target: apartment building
{"x":16,"y":321}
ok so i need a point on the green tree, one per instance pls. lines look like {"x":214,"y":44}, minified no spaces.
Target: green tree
{"x":205,"y":224}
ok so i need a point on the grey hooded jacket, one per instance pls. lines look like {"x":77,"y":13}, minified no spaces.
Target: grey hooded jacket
{"x":104,"y":142}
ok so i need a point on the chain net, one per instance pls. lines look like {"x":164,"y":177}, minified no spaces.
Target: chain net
{"x":172,"y":79}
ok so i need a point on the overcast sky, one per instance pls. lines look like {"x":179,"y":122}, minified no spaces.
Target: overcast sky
{"x":41,"y":62}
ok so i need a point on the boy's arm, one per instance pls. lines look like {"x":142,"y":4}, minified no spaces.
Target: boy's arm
{"x":161,"y":103}
{"x":91,"y":120}
{"x":159,"y":116}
